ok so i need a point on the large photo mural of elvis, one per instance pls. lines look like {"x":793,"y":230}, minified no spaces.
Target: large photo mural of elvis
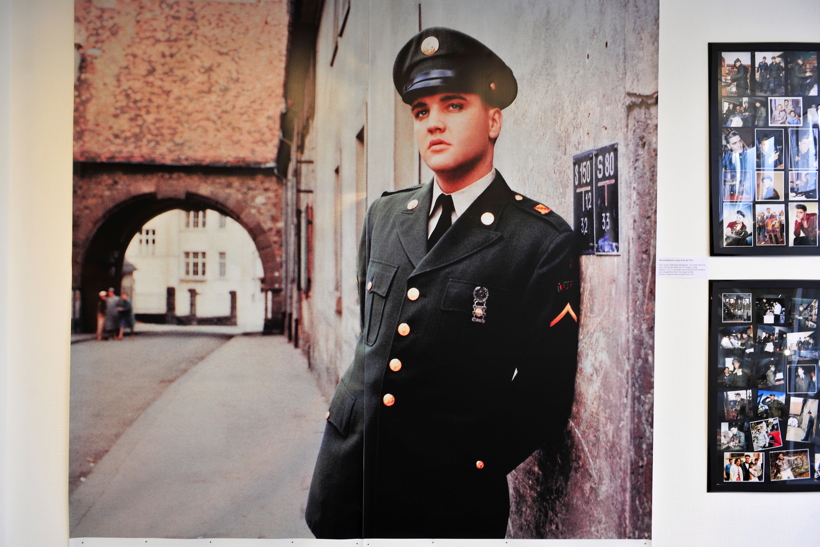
{"x":341,"y":292}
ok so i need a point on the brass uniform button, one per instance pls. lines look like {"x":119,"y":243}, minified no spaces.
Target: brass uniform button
{"x":327,"y":415}
{"x":369,"y":285}
{"x":487,"y":219}
{"x":492,"y":86}
{"x":388,"y":400}
{"x":413,"y":294}
{"x":518,"y":197}
{"x":395,"y":365}
{"x":479,"y":464}
{"x":412,"y":204}
{"x":404,"y":329}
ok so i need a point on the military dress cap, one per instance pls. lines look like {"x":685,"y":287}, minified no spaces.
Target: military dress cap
{"x":438,"y":60}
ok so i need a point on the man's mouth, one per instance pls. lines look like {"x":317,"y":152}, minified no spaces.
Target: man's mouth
{"x":440,"y":143}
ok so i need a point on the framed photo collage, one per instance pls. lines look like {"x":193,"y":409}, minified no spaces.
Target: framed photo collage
{"x":764,"y":361}
{"x":764,"y":137}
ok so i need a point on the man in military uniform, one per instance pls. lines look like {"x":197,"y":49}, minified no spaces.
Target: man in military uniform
{"x":776,"y":76}
{"x":762,"y":76}
{"x":798,"y":78}
{"x":740,"y":78}
{"x":469,"y":300}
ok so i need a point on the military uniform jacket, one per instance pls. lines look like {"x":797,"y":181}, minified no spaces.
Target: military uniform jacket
{"x":443,"y":399}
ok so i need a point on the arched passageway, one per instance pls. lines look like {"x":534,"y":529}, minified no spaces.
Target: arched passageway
{"x":112,"y":203}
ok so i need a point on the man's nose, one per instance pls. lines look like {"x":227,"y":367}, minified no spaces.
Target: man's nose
{"x":435,"y":121}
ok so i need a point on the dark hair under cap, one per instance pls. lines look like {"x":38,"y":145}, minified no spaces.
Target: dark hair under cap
{"x":439,"y":59}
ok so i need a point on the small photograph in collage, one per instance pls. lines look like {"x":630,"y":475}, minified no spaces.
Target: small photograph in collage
{"x":732,"y":435}
{"x":771,"y":404}
{"x":736,"y":341}
{"x":737,"y":307}
{"x":769,"y":73}
{"x":736,"y":373}
{"x":786,"y":111}
{"x":817,"y":466}
{"x":770,"y":340}
{"x":804,"y":231}
{"x":789,"y":465}
{"x":769,"y":374}
{"x":770,"y":151}
{"x":737,"y":224}
{"x":803,"y":146}
{"x":802,"y":379}
{"x":803,"y":185}
{"x":771,"y":309}
{"x":766,"y":434}
{"x":744,"y":112}
{"x":737,"y":165}
{"x":802,"y":344}
{"x":734,"y":73}
{"x":803,"y":313}
{"x":743,"y":467}
{"x":802,"y":72}
{"x":769,"y":185}
{"x":736,"y":405}
{"x":738,"y":151}
{"x":770,"y":222}
{"x":801,"y":422}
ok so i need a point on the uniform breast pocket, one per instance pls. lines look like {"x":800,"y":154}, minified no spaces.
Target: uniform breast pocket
{"x":473,"y":317}
{"x":379,"y":277}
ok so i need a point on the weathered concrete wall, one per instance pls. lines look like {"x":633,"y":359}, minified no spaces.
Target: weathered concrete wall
{"x":587,"y":73}
{"x":179,"y":82}
{"x":331,"y":316}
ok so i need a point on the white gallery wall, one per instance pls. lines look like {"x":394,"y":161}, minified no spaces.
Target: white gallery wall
{"x":36,"y":38}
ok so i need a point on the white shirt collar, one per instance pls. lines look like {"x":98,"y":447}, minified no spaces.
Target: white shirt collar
{"x":465,"y":197}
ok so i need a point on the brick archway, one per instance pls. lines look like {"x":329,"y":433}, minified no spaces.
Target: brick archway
{"x":113,"y":202}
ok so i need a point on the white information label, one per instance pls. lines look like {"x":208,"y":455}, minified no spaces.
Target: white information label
{"x":683,"y":267}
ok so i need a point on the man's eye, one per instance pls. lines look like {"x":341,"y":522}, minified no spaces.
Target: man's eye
{"x":455,"y":106}
{"x":418,"y":114}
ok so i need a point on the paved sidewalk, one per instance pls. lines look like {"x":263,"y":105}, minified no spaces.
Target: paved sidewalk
{"x":226,"y":451}
{"x":153,"y":328}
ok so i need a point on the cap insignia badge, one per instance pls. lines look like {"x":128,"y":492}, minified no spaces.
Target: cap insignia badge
{"x":429,"y":45}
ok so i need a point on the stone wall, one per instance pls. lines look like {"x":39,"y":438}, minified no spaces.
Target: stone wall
{"x":179,"y":82}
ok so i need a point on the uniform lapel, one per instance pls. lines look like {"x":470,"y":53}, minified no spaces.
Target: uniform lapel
{"x":469,"y":233}
{"x":412,"y":224}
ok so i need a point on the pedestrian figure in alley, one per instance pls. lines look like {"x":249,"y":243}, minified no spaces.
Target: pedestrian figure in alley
{"x":112,"y":314}
{"x":126,"y":316}
{"x":101,"y":307}
{"x":469,"y":299}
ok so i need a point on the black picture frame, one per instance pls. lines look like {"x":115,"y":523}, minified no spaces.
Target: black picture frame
{"x":773,"y":406}
{"x":748,"y":107}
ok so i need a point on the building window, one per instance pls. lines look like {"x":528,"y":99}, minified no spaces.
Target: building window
{"x":223,"y":221}
{"x":194,"y":264}
{"x":195,"y":219}
{"x":148,"y":242}
{"x":223,"y":266}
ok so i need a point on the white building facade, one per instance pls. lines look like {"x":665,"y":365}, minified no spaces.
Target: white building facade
{"x":201,"y":251}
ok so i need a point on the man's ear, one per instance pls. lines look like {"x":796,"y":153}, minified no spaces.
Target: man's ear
{"x":495,"y":119}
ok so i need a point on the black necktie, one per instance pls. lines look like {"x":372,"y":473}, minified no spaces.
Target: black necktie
{"x":444,"y":201}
